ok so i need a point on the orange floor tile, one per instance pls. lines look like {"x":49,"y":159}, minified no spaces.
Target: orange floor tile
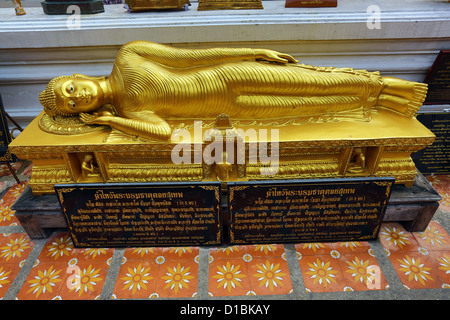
{"x":8,"y":271}
{"x":433,"y":238}
{"x":339,"y":266}
{"x":442,"y":185}
{"x":7,"y":217}
{"x":419,"y":258}
{"x":14,"y":250}
{"x":158,"y":272}
{"x":14,"y":247}
{"x":394,"y":237}
{"x":63,"y":272}
{"x":415,"y":270}
{"x":248,"y":270}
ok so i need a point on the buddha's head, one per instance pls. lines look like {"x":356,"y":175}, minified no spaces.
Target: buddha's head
{"x":69,"y":95}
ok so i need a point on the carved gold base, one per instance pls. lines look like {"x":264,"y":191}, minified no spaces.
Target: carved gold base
{"x":376,"y":148}
{"x":229,"y":4}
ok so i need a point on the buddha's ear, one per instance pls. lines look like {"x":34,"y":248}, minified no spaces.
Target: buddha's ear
{"x":79,"y":75}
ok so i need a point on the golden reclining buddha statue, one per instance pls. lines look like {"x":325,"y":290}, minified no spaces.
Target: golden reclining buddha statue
{"x":152,"y":82}
{"x":329,"y":119}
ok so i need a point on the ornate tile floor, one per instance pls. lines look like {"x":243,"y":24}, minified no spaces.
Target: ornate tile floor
{"x":395,"y":266}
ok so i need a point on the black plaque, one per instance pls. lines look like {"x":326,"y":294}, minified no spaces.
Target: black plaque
{"x":435,"y":158}
{"x":139,"y":215}
{"x":307,"y":210}
{"x":438,"y":80}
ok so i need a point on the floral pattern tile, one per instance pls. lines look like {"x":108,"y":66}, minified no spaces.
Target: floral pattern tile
{"x":362,"y":272}
{"x":85,"y":281}
{"x":7,"y":217}
{"x":265,"y":250}
{"x":321,"y":273}
{"x":442,"y":185}
{"x":137,"y":279}
{"x":158,"y":273}
{"x":394,"y":237}
{"x":177,"y":279}
{"x":228,"y":277}
{"x":8,"y":272}
{"x":59,"y":281}
{"x":351,"y":246}
{"x":419,"y":258}
{"x":314,"y":248}
{"x":441,"y":263}
{"x":14,"y":250}
{"x":180,"y":252}
{"x":415,"y":270}
{"x":146,"y":253}
{"x":248,"y":270}
{"x":14,"y":247}
{"x":62,"y":272}
{"x":340,"y":266}
{"x":269,"y":276}
{"x":228,"y":252}
{"x":433,"y":238}
{"x":43,"y":282}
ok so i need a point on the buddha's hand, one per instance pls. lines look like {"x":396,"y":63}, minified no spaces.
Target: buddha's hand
{"x":274,"y":56}
{"x":103,"y":117}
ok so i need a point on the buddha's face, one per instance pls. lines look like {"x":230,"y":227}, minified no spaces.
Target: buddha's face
{"x":76,"y":95}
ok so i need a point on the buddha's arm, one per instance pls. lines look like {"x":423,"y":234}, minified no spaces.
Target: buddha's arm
{"x":84,"y":166}
{"x":142,"y":124}
{"x":181,"y":58}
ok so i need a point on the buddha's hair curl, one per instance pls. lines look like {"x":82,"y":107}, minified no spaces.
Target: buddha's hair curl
{"x":48,"y":98}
